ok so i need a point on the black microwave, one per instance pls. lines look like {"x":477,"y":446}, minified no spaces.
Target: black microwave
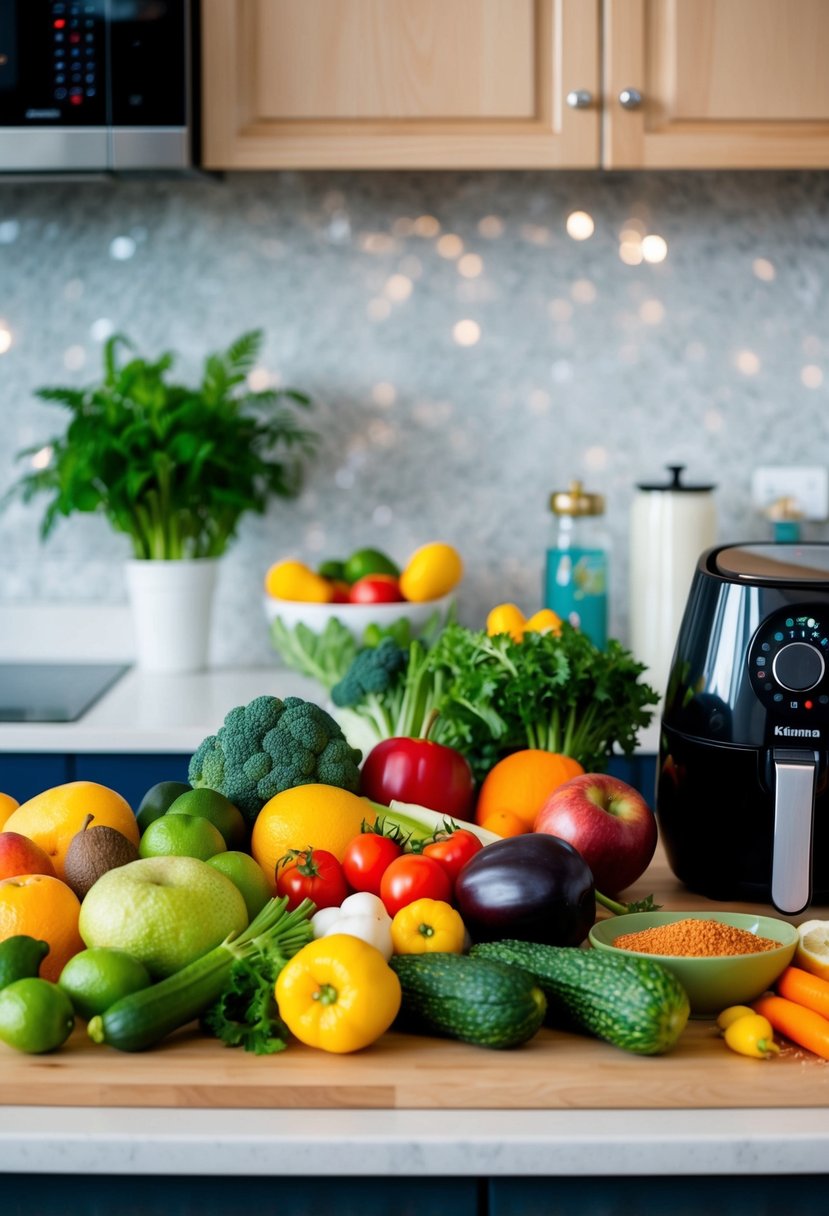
{"x":95,"y":85}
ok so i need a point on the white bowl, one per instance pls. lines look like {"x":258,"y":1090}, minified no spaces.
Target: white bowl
{"x":355,"y":616}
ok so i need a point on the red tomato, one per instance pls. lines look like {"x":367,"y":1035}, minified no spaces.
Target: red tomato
{"x":418,"y":770}
{"x":311,"y":874}
{"x":340,"y":590}
{"x":412,"y":877}
{"x":366,"y":859}
{"x":454,"y":851}
{"x":375,"y":589}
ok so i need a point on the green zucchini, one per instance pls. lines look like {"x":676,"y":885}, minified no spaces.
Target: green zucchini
{"x":633,"y":1003}
{"x":475,"y":1000}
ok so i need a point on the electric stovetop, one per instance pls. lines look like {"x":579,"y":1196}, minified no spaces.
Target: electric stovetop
{"x":53,"y":692}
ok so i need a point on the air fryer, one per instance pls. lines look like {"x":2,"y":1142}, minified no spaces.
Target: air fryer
{"x":742,"y":798}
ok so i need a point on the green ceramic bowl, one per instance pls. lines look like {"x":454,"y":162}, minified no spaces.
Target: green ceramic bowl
{"x":715,"y":983}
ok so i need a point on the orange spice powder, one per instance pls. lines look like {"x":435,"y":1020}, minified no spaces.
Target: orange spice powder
{"x":695,"y":938}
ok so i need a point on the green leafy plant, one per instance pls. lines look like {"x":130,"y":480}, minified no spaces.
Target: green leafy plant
{"x":174,"y":467}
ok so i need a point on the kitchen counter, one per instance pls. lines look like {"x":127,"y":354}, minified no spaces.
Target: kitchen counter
{"x":561,"y":1106}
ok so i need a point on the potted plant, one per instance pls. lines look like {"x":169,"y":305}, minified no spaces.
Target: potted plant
{"x":174,"y":467}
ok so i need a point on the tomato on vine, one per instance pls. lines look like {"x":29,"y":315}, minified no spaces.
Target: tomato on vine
{"x":453,"y":850}
{"x":366,"y":859}
{"x":311,"y":874}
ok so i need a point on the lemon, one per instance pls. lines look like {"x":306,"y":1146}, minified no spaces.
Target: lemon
{"x":812,"y":953}
{"x":181,"y":836}
{"x":35,"y":1015}
{"x":431,"y":572}
{"x":96,"y":978}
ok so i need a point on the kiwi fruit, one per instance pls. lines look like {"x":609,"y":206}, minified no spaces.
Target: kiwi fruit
{"x":93,"y":852}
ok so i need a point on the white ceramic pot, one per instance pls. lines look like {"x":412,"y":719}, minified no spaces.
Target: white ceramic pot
{"x":171,"y":605}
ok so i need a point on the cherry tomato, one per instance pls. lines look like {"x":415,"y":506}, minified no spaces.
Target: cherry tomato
{"x":366,"y":859}
{"x":418,"y":770}
{"x":311,"y":874}
{"x":412,"y":877}
{"x":454,"y":851}
{"x":375,"y":589}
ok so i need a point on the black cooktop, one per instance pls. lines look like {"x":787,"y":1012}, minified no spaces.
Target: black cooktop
{"x":53,"y":692}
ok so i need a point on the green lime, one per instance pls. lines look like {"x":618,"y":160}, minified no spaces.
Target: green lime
{"x":368,"y":561}
{"x":157,"y":801}
{"x":246,"y":874}
{"x":20,"y":958}
{"x":35,"y":1015}
{"x":182,"y":836}
{"x":332,"y":568}
{"x":209,"y":804}
{"x":96,"y":978}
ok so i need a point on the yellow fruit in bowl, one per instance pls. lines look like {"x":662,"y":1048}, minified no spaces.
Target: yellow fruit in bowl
{"x":293,"y":580}
{"x":319,"y":816}
{"x":432,"y":571}
{"x":54,"y":816}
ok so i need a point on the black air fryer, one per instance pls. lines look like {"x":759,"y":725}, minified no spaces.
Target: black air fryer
{"x":742,"y":797}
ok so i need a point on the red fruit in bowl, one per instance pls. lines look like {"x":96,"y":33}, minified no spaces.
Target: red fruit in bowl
{"x":608,"y":822}
{"x":375,"y":589}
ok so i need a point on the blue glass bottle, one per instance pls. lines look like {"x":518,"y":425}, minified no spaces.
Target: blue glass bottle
{"x":576,"y":572}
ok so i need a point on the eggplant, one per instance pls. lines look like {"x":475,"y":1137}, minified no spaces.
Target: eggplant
{"x":535,"y":887}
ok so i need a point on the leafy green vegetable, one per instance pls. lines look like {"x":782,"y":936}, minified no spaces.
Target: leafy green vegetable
{"x":246,"y":1014}
{"x":325,"y":656}
{"x":172,"y":466}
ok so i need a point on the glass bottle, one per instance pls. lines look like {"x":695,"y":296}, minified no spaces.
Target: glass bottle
{"x":576,"y":572}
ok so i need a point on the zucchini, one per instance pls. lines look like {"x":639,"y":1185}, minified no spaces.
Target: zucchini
{"x":633,"y":1003}
{"x":475,"y":1000}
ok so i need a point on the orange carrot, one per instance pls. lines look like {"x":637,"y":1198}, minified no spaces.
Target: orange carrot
{"x":803,"y":1026}
{"x":805,"y":989}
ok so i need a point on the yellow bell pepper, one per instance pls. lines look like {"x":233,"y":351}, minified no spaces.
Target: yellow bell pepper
{"x":428,"y":926}
{"x":751,"y":1035}
{"x":338,"y":993}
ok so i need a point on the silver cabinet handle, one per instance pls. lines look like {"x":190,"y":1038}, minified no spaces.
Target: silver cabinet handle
{"x":579,"y":99}
{"x":630,"y":99}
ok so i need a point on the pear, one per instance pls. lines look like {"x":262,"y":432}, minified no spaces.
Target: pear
{"x":93,"y":852}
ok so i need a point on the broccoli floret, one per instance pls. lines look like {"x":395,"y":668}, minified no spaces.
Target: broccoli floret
{"x":270,"y":745}
{"x":373,"y":672}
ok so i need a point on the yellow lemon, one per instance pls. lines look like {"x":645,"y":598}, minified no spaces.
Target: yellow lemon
{"x":431,"y":571}
{"x":812,"y":953}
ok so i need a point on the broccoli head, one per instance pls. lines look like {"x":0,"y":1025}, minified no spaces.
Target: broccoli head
{"x":270,"y":745}
{"x":373,"y":672}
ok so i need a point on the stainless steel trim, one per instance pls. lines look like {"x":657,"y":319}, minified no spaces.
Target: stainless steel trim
{"x":794,"y":809}
{"x":150,"y":148}
{"x":32,"y":149}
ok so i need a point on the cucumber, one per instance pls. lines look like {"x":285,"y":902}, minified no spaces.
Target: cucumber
{"x":633,"y":1003}
{"x":475,"y":1000}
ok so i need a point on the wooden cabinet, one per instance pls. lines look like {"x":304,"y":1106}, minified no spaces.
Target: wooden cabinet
{"x":393,"y":84}
{"x":484,"y":84}
{"x":724,"y":84}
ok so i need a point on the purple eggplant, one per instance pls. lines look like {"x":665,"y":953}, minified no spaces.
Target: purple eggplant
{"x":534,"y":887}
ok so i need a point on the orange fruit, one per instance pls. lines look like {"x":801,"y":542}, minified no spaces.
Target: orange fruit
{"x":53,"y":817}
{"x":522,"y":782}
{"x":504,"y":823}
{"x":46,"y":909}
{"x":7,"y":805}
{"x":319,"y":816}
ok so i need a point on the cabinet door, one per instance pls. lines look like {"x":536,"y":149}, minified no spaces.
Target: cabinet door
{"x":391,"y":84}
{"x":724,"y":83}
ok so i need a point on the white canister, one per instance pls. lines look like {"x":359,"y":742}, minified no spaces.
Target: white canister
{"x":671,"y":524}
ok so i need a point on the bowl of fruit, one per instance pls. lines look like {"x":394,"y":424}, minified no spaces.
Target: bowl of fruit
{"x":364,"y":593}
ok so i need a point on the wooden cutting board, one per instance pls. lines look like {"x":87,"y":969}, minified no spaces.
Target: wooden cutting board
{"x":553,"y":1071}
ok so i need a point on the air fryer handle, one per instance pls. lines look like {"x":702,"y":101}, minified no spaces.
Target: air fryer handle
{"x":795,"y":777}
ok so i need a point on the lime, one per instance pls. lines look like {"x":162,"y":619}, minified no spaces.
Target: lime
{"x":20,"y":958}
{"x":209,"y":804}
{"x":368,"y":561}
{"x":96,"y":978}
{"x":246,"y":874}
{"x":332,"y":568}
{"x":35,"y":1015}
{"x":157,"y":801}
{"x":181,"y":836}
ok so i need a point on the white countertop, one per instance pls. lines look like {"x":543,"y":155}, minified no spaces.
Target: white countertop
{"x":429,"y":1143}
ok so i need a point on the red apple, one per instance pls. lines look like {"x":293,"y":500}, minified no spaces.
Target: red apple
{"x":20,"y":855}
{"x":608,"y":822}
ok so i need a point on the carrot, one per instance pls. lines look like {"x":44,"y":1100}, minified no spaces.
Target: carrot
{"x":803,"y":1026}
{"x":804,"y":989}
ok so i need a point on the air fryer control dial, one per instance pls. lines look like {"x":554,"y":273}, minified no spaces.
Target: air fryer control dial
{"x":798,"y":666}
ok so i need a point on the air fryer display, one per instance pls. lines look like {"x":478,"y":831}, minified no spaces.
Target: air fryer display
{"x":788,"y":669}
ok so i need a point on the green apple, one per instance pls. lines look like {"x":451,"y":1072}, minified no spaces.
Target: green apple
{"x":209,"y":804}
{"x":181,"y":836}
{"x":165,"y":911}
{"x":247,"y":875}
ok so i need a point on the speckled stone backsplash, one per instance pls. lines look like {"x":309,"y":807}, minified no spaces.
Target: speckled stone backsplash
{"x":470,"y":345}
